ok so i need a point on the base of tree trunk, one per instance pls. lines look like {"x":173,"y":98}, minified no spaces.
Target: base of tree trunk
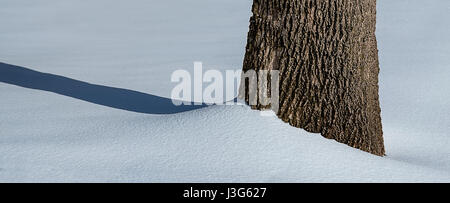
{"x":327,"y":57}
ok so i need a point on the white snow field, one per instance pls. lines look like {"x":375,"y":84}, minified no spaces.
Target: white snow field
{"x":84,"y":88}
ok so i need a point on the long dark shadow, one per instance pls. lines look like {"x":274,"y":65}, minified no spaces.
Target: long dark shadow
{"x":118,"y":98}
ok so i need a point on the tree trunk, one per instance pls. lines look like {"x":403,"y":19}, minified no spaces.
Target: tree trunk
{"x":327,"y":57}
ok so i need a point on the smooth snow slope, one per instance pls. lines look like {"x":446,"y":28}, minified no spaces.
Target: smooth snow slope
{"x":130,"y":49}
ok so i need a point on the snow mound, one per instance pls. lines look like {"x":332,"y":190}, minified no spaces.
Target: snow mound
{"x":74,"y":142}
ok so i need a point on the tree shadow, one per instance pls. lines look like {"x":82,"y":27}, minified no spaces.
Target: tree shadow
{"x":118,"y":98}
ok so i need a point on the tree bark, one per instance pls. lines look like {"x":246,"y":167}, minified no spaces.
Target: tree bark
{"x":327,"y":57}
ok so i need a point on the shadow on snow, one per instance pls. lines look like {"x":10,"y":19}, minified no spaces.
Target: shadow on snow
{"x":118,"y":98}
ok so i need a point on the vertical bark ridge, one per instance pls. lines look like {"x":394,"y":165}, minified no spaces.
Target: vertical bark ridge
{"x":326,"y":52}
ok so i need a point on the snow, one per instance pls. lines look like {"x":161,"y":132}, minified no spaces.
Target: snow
{"x":114,"y":55}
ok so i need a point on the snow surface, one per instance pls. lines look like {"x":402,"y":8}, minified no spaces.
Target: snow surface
{"x":80,"y":70}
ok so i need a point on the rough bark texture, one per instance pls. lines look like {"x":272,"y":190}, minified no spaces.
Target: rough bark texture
{"x":326,"y":52}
